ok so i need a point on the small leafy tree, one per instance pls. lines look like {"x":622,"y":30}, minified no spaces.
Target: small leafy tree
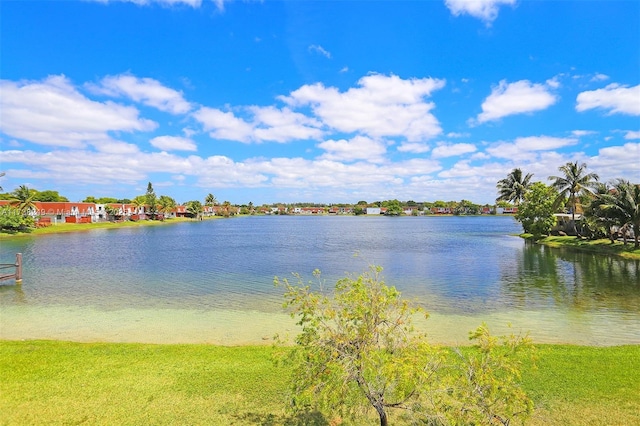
{"x":483,"y":382}
{"x":394,"y":208}
{"x":536,"y":212}
{"x":356,"y":349}
{"x":12,"y":220}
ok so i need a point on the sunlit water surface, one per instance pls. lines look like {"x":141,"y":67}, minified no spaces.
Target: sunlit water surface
{"x":212,"y":281}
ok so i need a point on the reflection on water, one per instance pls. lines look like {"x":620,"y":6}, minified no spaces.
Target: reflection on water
{"x":212,"y":281}
{"x":552,"y":278}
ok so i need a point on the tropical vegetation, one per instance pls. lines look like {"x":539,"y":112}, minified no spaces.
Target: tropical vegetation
{"x":574,"y":181}
{"x":608,"y":210}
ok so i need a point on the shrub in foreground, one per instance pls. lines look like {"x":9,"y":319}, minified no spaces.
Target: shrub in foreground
{"x":359,"y":351}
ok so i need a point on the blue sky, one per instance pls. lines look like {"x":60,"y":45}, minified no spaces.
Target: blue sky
{"x":319,"y":101}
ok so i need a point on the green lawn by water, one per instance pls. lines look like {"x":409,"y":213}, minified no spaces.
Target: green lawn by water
{"x":602,"y":246}
{"x":63,"y":383}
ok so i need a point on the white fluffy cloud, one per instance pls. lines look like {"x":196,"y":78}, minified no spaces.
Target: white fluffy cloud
{"x":522,"y":148}
{"x":358,"y":148}
{"x":485,"y":10}
{"x":452,"y":150}
{"x":414,"y":147}
{"x":618,"y":161}
{"x":615,"y":98}
{"x":283,"y":125}
{"x":144,"y":90}
{"x":224,"y":125}
{"x":54,"y":112}
{"x":173,"y":143}
{"x":266,"y":124}
{"x":381,"y":106}
{"x":515,"y":98}
{"x":631,"y":135}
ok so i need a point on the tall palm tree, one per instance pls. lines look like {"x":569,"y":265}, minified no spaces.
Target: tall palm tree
{"x":23,"y":199}
{"x":514,"y":186}
{"x":574,"y":182}
{"x":624,"y":202}
{"x":1,"y":174}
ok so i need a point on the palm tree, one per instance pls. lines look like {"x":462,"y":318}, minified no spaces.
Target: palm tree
{"x":138,"y":203}
{"x":598,"y":212}
{"x":166,"y":204}
{"x":210,"y":200}
{"x":1,"y":174}
{"x":514,"y":186}
{"x":23,"y":199}
{"x":194,"y":208}
{"x":574,"y":181}
{"x":624,"y":203}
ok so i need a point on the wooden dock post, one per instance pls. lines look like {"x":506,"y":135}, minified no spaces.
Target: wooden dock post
{"x":18,"y":268}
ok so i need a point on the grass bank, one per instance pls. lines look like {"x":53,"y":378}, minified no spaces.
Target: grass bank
{"x":52,"y":382}
{"x":602,"y":246}
{"x":62,"y":228}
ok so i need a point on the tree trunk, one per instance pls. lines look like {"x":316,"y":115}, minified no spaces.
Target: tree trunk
{"x":383,"y":415}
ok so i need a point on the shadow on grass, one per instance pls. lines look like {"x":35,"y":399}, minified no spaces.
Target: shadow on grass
{"x":307,"y":418}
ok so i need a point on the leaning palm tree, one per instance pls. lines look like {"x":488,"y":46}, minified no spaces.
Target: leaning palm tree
{"x":575,"y":181}
{"x":624,"y":202}
{"x":23,"y":199}
{"x":514,"y":186}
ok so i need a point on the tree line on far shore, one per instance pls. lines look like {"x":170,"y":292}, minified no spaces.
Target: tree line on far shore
{"x":607,"y":209}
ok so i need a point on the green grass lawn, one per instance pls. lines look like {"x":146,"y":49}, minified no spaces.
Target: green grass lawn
{"x":602,"y":246}
{"x":63,"y":383}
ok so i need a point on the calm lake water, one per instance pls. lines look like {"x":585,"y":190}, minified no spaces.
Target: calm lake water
{"x":212,"y":281}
